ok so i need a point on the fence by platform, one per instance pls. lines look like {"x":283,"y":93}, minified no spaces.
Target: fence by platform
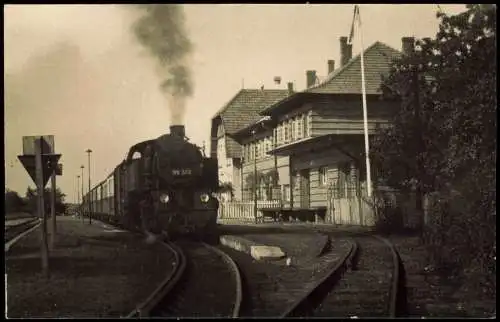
{"x":352,"y":206}
{"x":243,"y":211}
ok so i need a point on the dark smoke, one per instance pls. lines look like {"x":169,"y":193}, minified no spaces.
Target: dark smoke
{"x":161,"y":29}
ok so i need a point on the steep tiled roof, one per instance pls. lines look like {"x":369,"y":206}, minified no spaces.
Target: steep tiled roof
{"x":347,"y":79}
{"x":242,"y":110}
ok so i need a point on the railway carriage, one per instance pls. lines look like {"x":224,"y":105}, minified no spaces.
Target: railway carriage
{"x":164,"y":186}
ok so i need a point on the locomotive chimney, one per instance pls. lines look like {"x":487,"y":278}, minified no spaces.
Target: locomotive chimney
{"x":178,"y":130}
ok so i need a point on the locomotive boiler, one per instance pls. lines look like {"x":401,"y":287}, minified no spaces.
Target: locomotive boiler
{"x":164,"y":186}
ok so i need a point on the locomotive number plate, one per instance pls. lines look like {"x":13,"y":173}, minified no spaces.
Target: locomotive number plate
{"x":181,"y":172}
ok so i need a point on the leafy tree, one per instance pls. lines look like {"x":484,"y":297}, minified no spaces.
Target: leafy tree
{"x":447,"y":122}
{"x":226,"y":187}
{"x":443,"y":139}
{"x":13,"y":202}
{"x":31,"y":199}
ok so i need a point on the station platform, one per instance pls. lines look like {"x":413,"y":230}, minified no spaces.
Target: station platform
{"x":16,"y":222}
{"x":277,"y":244}
{"x":95,"y":271}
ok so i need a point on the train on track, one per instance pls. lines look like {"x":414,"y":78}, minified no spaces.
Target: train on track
{"x":164,"y":186}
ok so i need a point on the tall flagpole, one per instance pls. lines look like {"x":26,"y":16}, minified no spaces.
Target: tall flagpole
{"x":365,"y":113}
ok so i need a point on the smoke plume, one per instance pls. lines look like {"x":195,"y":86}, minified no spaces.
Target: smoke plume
{"x":161,"y":29}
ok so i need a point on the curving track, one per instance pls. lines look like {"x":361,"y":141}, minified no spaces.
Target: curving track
{"x":366,"y":283}
{"x":15,"y":232}
{"x":205,"y":283}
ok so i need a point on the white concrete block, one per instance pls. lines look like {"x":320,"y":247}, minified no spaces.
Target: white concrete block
{"x":234,"y":243}
{"x":266,"y":252}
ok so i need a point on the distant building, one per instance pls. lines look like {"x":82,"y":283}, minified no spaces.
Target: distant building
{"x":314,"y":139}
{"x":243,"y":109}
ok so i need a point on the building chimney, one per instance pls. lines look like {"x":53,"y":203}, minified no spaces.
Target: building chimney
{"x":311,"y":78}
{"x":178,"y":130}
{"x":408,"y":45}
{"x":290,"y":88}
{"x":331,"y":66}
{"x":277,"y":80}
{"x":345,"y":51}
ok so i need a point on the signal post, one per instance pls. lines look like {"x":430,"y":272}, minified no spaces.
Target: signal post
{"x":41,"y":163}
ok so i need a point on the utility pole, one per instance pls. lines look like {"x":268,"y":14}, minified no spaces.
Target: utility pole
{"x":77,"y":190}
{"x":41,"y":205}
{"x":89,"y":199}
{"x":78,"y":195}
{"x":255,"y":177}
{"x":53,"y":211}
{"x":83,"y":194}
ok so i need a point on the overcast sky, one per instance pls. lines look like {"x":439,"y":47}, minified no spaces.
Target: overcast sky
{"x":77,"y":72}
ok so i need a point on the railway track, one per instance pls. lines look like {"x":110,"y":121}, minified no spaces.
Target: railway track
{"x":270,"y":288}
{"x":15,"y":232}
{"x":205,"y":283}
{"x":366,"y":283}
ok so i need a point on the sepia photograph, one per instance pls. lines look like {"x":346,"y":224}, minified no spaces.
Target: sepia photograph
{"x":250,"y":160}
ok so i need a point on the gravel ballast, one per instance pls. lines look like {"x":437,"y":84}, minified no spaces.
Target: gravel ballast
{"x":270,"y":287}
{"x":94,"y":272}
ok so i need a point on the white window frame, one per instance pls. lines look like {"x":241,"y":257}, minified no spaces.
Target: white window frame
{"x":307,"y":124}
{"x":286,"y":192}
{"x":300,"y":127}
{"x":285,"y":136}
{"x":323,"y":176}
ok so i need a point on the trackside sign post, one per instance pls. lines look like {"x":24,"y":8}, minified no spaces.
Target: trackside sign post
{"x":40,"y":162}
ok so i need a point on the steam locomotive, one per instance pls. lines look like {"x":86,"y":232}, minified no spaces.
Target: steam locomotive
{"x":164,"y":186}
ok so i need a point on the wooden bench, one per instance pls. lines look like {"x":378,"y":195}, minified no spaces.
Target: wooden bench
{"x":312,"y":214}
{"x":272,"y":213}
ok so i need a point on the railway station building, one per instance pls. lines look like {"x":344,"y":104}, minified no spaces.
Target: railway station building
{"x":242,"y":110}
{"x":307,"y":149}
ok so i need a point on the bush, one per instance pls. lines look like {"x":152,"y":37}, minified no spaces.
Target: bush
{"x":388,"y":214}
{"x":460,"y":236}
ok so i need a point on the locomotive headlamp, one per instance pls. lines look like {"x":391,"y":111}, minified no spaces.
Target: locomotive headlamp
{"x":204,"y":197}
{"x":164,"y":198}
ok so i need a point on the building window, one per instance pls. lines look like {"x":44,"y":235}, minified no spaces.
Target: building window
{"x":322,"y":176}
{"x":305,"y":127}
{"x":286,"y":132}
{"x":300,"y":127}
{"x":309,"y":123}
{"x":286,"y":192}
{"x":228,"y":162}
{"x":262,"y":192}
{"x":295,"y":128}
